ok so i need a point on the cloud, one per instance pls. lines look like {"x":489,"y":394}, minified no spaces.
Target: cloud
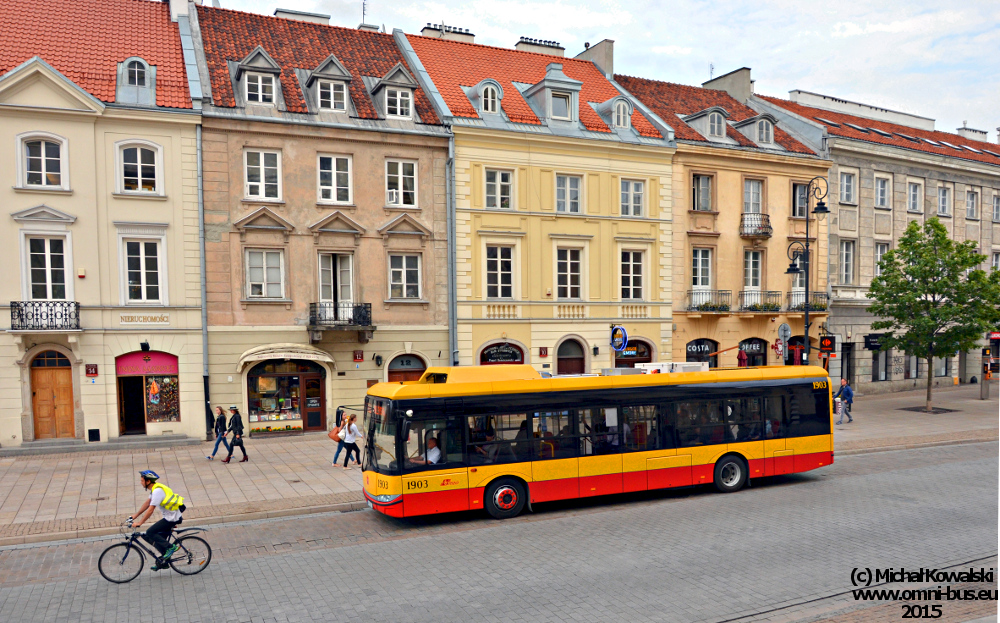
{"x":671,"y":50}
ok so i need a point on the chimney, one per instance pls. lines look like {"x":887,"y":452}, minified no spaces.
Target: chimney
{"x":737,"y":83}
{"x":602,"y":55}
{"x":302,"y":16}
{"x":452,"y":33}
{"x":973,"y":135}
{"x":180,"y":7}
{"x":368,"y":27}
{"x":539,"y":46}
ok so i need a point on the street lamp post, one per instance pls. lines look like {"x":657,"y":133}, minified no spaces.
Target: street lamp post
{"x":818,"y":187}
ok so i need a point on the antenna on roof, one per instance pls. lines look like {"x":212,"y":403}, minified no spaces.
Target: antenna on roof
{"x":364,"y":11}
{"x":711,"y":71}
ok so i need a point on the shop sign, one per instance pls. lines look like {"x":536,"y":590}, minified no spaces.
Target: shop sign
{"x":619,"y":337}
{"x":501,"y":353}
{"x":543,"y":351}
{"x":144,"y":319}
{"x":91,"y":369}
{"x":699,"y":347}
{"x":143,"y":364}
{"x":312,"y":403}
{"x":872,"y":341}
{"x":754,"y":348}
{"x":994,"y":335}
{"x":826,"y":344}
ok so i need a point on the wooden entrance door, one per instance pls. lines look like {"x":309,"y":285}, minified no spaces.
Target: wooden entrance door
{"x":52,"y":402}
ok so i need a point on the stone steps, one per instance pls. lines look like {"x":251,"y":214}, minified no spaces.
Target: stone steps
{"x":126,"y":442}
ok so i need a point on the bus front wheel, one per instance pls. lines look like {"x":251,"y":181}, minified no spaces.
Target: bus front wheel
{"x":504,"y":498}
{"x":730,"y":474}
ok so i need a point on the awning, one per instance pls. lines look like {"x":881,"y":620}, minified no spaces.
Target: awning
{"x":284,"y":351}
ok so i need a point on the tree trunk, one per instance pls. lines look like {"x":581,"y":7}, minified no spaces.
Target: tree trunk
{"x":930,"y":385}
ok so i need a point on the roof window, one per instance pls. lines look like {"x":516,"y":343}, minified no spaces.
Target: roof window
{"x":827,"y":122}
{"x":880,"y":132}
{"x":856,"y":127}
{"x":956,"y":147}
{"x":934,"y":143}
{"x":908,"y":137}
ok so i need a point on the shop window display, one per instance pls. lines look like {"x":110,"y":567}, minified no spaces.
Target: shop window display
{"x":275,"y":390}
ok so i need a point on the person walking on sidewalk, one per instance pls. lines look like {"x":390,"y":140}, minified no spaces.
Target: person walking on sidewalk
{"x":848,"y":400}
{"x":351,"y":435}
{"x":335,"y":435}
{"x":171,"y":506}
{"x":236,"y":428}
{"x":220,"y":432}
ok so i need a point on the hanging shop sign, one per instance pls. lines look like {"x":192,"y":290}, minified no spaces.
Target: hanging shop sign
{"x":826,"y":344}
{"x":873,"y":341}
{"x":142,"y":364}
{"x":619,"y":337}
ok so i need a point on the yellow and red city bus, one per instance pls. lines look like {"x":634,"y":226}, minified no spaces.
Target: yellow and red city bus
{"x":503,"y":437}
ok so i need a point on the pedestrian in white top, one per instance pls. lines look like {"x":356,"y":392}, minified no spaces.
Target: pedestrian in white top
{"x":351,"y":435}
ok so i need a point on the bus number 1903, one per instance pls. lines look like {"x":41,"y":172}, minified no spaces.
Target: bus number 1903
{"x":383,"y":484}
{"x":416,"y":484}
{"x":819,"y":384}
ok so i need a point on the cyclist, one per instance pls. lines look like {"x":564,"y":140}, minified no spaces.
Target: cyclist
{"x":171,"y":506}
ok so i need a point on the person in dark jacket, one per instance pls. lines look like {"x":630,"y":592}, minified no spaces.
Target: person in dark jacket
{"x":236,"y":428}
{"x":848,"y":394}
{"x":220,"y":432}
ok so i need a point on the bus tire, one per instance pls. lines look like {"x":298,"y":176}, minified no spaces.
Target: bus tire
{"x":731,"y":473}
{"x":505,"y":498}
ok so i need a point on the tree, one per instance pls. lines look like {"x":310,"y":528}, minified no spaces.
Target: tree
{"x":932,"y":298}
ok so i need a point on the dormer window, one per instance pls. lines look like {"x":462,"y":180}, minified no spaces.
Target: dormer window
{"x":397,"y":103}
{"x":490,"y":100}
{"x":622,"y":117}
{"x":260,"y":88}
{"x":764,"y":131}
{"x":716,"y":125}
{"x":332,"y":96}
{"x":560,"y":105}
{"x":136,"y":74}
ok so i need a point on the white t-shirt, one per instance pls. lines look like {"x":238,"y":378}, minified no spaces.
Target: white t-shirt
{"x":352,"y":434}
{"x":433,"y":455}
{"x":156,"y":498}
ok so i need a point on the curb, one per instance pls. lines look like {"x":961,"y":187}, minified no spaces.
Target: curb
{"x":914,"y":446}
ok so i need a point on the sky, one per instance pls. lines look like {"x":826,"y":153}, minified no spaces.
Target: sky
{"x":934,"y":58}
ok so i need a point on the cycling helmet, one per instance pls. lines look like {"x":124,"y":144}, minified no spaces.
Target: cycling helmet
{"x":149,"y":474}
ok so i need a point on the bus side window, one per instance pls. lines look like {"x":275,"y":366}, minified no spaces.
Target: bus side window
{"x":809,"y":413}
{"x":640,"y":428}
{"x":500,"y":438}
{"x":774,"y":416}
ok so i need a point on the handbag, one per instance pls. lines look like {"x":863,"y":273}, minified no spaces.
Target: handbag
{"x":342,"y":434}
{"x":334,"y":433}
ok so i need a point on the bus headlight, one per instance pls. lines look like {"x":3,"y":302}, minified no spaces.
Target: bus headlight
{"x":385,"y":498}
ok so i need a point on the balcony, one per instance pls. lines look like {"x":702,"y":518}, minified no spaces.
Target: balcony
{"x":329,"y":315}
{"x":818,"y":301}
{"x":44,"y":316}
{"x":755,"y":225}
{"x":710,"y":301}
{"x":760,"y":301}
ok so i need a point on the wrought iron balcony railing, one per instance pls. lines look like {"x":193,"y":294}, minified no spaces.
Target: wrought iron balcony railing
{"x":346,"y":315}
{"x":755,"y":225}
{"x":711,"y":301}
{"x":818,"y":301}
{"x":44,"y":316}
{"x":760,"y":300}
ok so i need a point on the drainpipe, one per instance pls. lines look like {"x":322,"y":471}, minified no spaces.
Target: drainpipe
{"x":209,"y":420}
{"x":452,"y":282}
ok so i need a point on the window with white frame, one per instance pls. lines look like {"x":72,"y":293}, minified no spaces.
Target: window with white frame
{"x":47,"y":268}
{"x":136,"y":73}
{"x":752,"y":192}
{"x":631,"y":275}
{"x":332,"y":96}
{"x":142,"y":270}
{"x":263,"y":174}
{"x":499,"y":185}
{"x":971,"y":204}
{"x":847,"y":187}
{"x":568,"y":273}
{"x":561,"y":105}
{"x":491,"y":99}
{"x":800,"y":200}
{"x":632,"y":192}
{"x":996,"y":261}
{"x":499,"y":272}
{"x":401,"y":183}
{"x":335,"y":179}
{"x":846,"y":262}
{"x":398,"y":103}
{"x":882,"y":192}
{"x":265,"y":274}
{"x":944,"y":200}
{"x":701,"y":193}
{"x":138,"y":173}
{"x":622,"y":118}
{"x":43,"y":164}
{"x":996,"y":208}
{"x":336,"y":278}
{"x":914,"y":201}
{"x":716,"y":125}
{"x":765,"y":131}
{"x":404,"y":276}
{"x":701,"y":268}
{"x":881,"y":248}
{"x":260,"y":88}
{"x":752,"y":261}
{"x":568,"y":193}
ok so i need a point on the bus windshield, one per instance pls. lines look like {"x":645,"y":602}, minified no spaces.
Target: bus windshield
{"x":380,"y":451}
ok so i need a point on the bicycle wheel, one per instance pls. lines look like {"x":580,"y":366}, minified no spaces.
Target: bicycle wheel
{"x":193,"y":556}
{"x":121,"y":563}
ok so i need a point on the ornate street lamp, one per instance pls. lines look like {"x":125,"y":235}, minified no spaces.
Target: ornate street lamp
{"x":819,"y":188}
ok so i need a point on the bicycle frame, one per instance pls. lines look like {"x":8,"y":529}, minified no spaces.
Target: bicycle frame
{"x":133,"y":539}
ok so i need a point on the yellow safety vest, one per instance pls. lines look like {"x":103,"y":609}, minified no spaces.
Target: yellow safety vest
{"x":171,"y":500}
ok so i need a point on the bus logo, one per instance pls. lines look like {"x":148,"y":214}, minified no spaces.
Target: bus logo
{"x":447,"y":482}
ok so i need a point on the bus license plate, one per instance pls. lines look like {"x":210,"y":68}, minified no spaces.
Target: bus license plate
{"x":370,"y":505}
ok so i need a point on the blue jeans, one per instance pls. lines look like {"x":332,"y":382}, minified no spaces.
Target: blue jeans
{"x":221,"y":439}
{"x":340,"y":447}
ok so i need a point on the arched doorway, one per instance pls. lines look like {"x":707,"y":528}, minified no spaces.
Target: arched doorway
{"x":497,"y":354}
{"x":570,"y":358}
{"x":702,"y":350}
{"x":406,"y":368}
{"x":52,"y":396}
{"x":637,"y":351}
{"x":796,"y":346}
{"x":284,"y":393}
{"x":756,"y":351}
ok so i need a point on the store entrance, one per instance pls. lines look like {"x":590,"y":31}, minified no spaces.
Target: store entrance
{"x":131,"y":406}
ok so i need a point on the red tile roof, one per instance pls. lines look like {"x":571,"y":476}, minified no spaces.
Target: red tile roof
{"x":86,"y":39}
{"x":232,"y":35}
{"x":456,"y":64}
{"x":668,"y":100}
{"x":894,"y":130}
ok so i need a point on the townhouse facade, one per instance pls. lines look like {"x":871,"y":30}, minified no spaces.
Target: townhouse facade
{"x":562,"y":201}
{"x":325,"y":220}
{"x":741,"y":200}
{"x":100,"y":231}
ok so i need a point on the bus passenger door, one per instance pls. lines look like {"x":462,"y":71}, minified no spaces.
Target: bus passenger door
{"x":601,"y":439}
{"x":555,"y":468}
{"x":777,"y":460}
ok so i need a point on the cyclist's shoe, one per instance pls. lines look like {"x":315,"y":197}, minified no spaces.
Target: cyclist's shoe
{"x":159,"y":564}
{"x":170,"y":552}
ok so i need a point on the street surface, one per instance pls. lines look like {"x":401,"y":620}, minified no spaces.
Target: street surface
{"x":782,"y":550}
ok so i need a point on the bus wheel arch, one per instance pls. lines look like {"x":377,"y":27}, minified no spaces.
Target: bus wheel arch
{"x":505,"y":497}
{"x":732,"y":471}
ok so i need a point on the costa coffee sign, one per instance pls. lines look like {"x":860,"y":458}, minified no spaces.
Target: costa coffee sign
{"x":148,"y":363}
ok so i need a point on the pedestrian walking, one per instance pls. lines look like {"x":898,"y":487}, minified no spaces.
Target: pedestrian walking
{"x":335,"y":435}
{"x":848,"y":400}
{"x":236,"y":428}
{"x":351,"y":434}
{"x":220,"y":433}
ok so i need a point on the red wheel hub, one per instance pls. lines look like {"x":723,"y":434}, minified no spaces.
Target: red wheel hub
{"x":505,"y":498}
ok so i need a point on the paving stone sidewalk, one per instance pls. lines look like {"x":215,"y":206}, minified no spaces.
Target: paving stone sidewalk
{"x":61,"y":496}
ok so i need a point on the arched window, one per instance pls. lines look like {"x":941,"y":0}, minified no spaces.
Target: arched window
{"x":755,"y":350}
{"x":42,"y":161}
{"x":637,"y":351}
{"x":764,"y":131}
{"x":622,"y":117}
{"x":138,"y":173}
{"x":703,"y":350}
{"x":406,"y":368}
{"x":136,"y":71}
{"x":570,"y":358}
{"x":716,"y":125}
{"x":491,"y":99}
{"x":50,"y":359}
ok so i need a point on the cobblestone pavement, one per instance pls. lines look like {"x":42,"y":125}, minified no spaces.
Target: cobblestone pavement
{"x":780,"y":551}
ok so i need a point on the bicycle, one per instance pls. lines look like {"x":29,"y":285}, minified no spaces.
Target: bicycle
{"x":123,"y":562}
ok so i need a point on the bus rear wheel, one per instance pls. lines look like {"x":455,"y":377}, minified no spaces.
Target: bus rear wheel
{"x":731,"y":474}
{"x":504,"y":498}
